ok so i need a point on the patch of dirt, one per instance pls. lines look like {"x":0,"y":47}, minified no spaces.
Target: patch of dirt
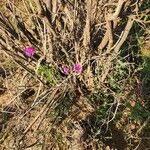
{"x":5,"y":99}
{"x":76,"y":142}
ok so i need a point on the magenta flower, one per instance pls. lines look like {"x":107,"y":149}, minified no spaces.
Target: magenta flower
{"x":77,"y":68}
{"x":66,"y":70}
{"x":29,"y":51}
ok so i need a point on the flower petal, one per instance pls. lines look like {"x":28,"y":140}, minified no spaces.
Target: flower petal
{"x":78,"y":68}
{"x":29,"y":51}
{"x":66,"y":70}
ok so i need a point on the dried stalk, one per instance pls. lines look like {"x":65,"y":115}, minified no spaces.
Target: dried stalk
{"x":48,"y":103}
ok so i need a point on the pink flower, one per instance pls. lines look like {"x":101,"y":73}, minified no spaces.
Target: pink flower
{"x":77,"y":68}
{"x":29,"y":51}
{"x":66,"y":70}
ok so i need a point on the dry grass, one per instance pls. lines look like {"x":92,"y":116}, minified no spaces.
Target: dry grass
{"x":103,"y":107}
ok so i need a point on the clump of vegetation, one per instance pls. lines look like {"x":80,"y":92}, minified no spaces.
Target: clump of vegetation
{"x":48,"y":74}
{"x":86,"y":67}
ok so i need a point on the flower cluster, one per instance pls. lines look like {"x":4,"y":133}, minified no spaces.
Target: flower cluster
{"x":29,"y":51}
{"x":77,"y":68}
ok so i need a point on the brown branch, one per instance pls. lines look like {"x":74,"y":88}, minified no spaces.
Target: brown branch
{"x":86,"y":34}
{"x":37,"y":2}
{"x":125,"y":34}
{"x":110,"y":34}
{"x":117,"y":48}
{"x":48,"y":4}
{"x":111,"y":17}
{"x":42,"y":10}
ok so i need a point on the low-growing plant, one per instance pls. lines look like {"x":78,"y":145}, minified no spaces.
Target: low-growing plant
{"x":139,"y":112}
{"x":48,"y":73}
